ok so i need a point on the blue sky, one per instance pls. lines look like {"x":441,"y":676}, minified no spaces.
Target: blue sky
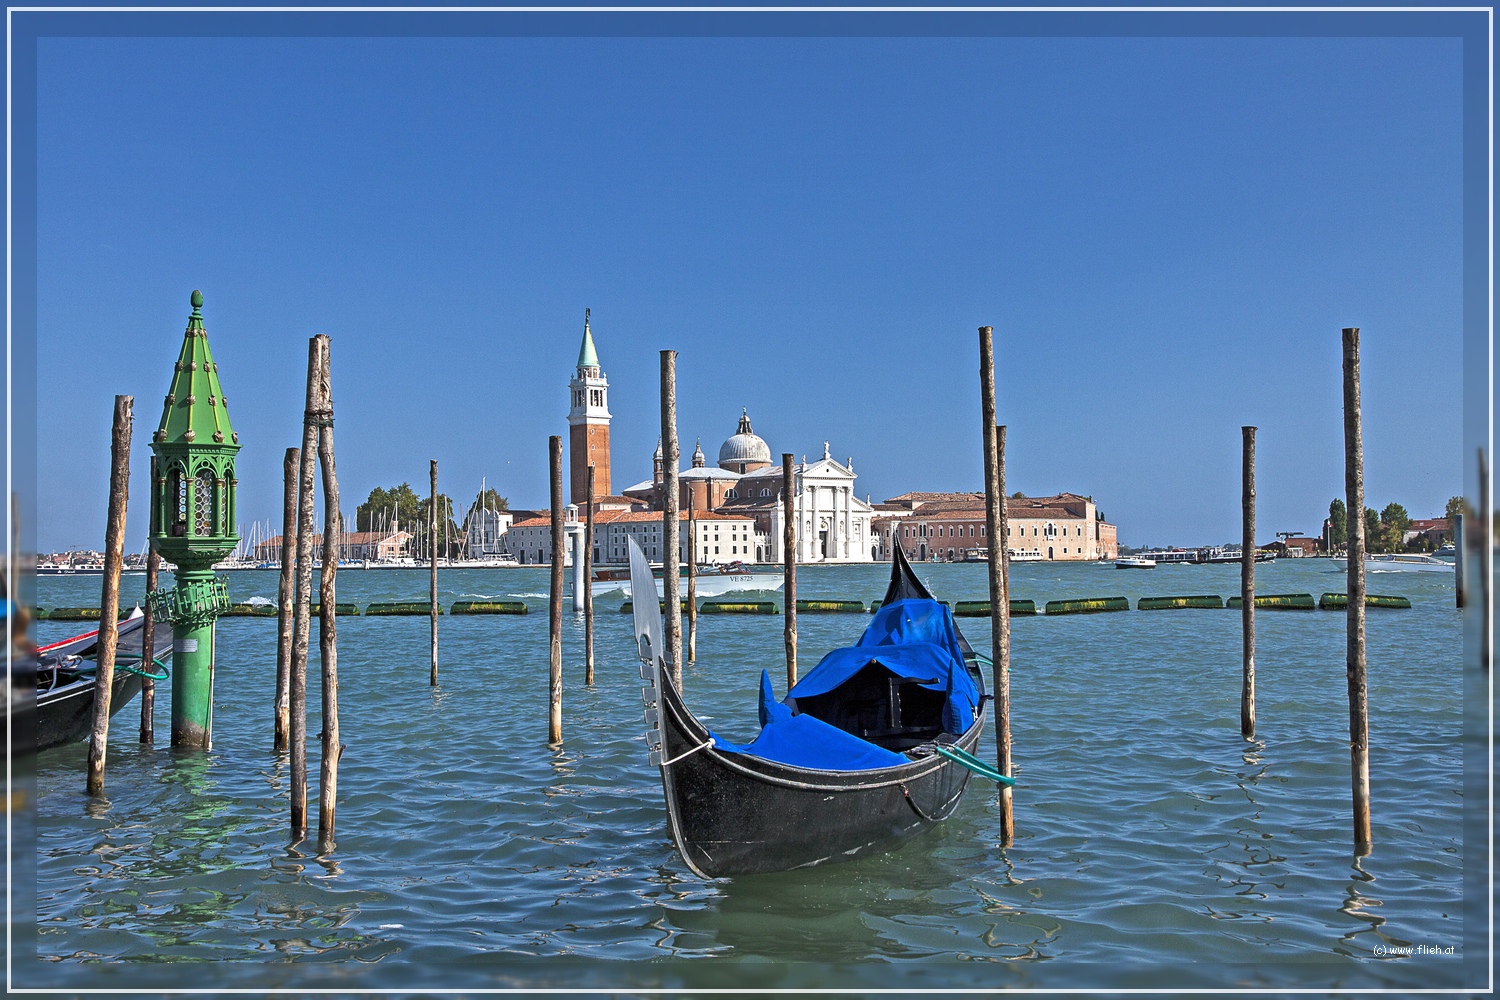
{"x":1167,"y":235}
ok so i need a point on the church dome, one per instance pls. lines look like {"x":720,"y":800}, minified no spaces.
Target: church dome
{"x":745,"y":451}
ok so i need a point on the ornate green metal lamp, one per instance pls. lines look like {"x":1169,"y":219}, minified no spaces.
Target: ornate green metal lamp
{"x":193,"y":502}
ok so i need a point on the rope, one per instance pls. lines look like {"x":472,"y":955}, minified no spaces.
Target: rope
{"x":689,"y":753}
{"x":131,"y":668}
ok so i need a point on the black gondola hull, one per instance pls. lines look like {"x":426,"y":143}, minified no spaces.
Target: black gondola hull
{"x":66,"y":713}
{"x":731,"y":814}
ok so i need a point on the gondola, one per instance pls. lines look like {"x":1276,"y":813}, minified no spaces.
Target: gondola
{"x":871,"y":747}
{"x":58,"y":708}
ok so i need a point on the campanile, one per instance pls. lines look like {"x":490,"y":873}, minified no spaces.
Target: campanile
{"x":588,"y":423}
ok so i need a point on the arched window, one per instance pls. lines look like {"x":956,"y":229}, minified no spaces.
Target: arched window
{"x":176,"y":502}
{"x":729,"y":495}
{"x":203,"y":503}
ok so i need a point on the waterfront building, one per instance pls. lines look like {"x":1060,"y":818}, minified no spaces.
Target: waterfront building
{"x":374,"y":545}
{"x":720,"y":538}
{"x":944,"y":526}
{"x":588,"y":422}
{"x":485,"y":532}
{"x":833,"y":523}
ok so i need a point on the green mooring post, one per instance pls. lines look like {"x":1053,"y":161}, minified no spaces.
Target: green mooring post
{"x":194,"y":501}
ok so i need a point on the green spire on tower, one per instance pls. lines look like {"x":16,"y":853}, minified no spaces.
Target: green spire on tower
{"x":587,"y":356}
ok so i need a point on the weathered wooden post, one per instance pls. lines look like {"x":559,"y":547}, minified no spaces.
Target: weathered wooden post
{"x":1354,"y":663}
{"x":286,"y":594}
{"x":432,"y":610}
{"x":671,"y":530}
{"x":692,"y":581}
{"x":789,"y":566}
{"x":554,"y":604}
{"x":196,"y":447}
{"x":302,"y":611}
{"x":1486,"y":521}
{"x":1460,"y":555}
{"x":148,"y":630}
{"x":588,"y":585}
{"x":996,"y":526}
{"x":1247,"y":586}
{"x":328,"y":779}
{"x":109,"y":603}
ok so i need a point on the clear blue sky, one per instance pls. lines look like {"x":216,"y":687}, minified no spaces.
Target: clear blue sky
{"x":1167,"y":235}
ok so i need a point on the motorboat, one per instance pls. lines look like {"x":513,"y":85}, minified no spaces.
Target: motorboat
{"x":1399,"y":562}
{"x":1135,"y":562}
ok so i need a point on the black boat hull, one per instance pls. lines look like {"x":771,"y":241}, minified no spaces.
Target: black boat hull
{"x":731,"y":814}
{"x":66,"y":713}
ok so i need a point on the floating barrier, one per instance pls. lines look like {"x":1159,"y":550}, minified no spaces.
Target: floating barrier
{"x":981,"y":609}
{"x":629,"y":606}
{"x":739,"y":608}
{"x":1279,"y":602}
{"x":251,"y":611}
{"x":1340,"y":602}
{"x":40,"y":614}
{"x":400,"y":608}
{"x":340,"y":609}
{"x":1088,"y":605}
{"x":829,"y":607}
{"x":80,"y":614}
{"x":1163,"y":603}
{"x":488,"y":608}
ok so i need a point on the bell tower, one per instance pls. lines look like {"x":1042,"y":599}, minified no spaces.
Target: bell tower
{"x":588,"y":423}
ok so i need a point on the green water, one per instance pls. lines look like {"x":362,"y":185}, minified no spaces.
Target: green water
{"x":1154,"y":846}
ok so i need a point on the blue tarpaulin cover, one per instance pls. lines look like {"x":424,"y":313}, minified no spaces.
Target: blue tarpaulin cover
{"x":915,"y":639}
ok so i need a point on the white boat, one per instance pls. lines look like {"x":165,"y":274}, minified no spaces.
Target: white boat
{"x":1399,"y":562}
{"x":1135,"y":563}
{"x":712,"y":581}
{"x":1446,"y":552}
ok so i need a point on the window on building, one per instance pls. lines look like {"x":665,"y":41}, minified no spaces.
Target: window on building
{"x":729,"y":495}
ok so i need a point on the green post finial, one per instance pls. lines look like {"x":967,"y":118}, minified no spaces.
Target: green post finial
{"x":197,"y":301}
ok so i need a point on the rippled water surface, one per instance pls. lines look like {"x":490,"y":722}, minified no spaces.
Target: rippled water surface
{"x":1150,"y":836}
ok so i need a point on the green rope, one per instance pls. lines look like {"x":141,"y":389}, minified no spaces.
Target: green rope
{"x":965,"y":759}
{"x":130,"y":667}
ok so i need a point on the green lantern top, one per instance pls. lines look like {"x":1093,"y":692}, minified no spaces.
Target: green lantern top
{"x":195,"y":412}
{"x":194,"y":492}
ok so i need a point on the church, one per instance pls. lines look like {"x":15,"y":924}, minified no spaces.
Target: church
{"x":833,"y":525}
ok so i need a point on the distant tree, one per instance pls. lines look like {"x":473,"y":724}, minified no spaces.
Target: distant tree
{"x":387,"y":507}
{"x":1373,"y":541}
{"x":1394,"y":520}
{"x":490,"y":499}
{"x":1455,"y":507}
{"x":1338,"y":524}
{"x":1018,"y":495}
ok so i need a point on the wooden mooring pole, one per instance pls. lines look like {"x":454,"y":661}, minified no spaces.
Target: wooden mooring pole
{"x":671,"y":532}
{"x":1460,"y":555}
{"x":148,"y":629}
{"x":328,"y":650}
{"x":1354,"y":664}
{"x":286,"y":596}
{"x":692,"y":574}
{"x":555,"y":598}
{"x":789,"y":566}
{"x":996,"y":526}
{"x":302,"y":610}
{"x":432,"y":590}
{"x":1484,"y":537}
{"x":588,"y":585}
{"x":1247,"y":586}
{"x":109,"y":601}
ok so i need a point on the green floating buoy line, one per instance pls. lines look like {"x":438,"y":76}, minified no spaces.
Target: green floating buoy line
{"x":739,"y":608}
{"x":1279,"y":602}
{"x":1163,"y":603}
{"x":830,"y":607}
{"x":401,"y":608}
{"x":981,"y":609}
{"x":1088,"y":605}
{"x":1339,"y":602}
{"x":488,"y":608}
